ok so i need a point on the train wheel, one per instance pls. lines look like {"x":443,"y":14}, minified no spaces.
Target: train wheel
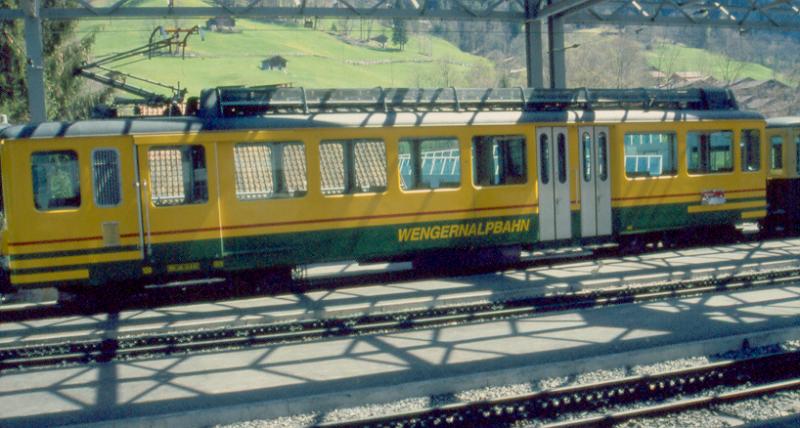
{"x":92,"y":299}
{"x":632,"y":245}
{"x":451,"y":261}
{"x":261,"y":280}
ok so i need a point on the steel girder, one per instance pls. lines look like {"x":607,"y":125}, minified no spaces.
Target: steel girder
{"x":745,"y":14}
{"x":781,"y":15}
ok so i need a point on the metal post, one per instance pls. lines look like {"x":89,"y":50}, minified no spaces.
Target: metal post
{"x":558,"y":63}
{"x":35,"y":61}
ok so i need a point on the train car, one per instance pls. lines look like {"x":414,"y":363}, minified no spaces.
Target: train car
{"x":783,"y":188}
{"x":269,"y":179}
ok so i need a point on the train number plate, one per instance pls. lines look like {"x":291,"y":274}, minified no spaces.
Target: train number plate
{"x":183,"y":267}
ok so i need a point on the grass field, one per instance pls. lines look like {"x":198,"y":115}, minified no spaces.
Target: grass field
{"x":316,"y":58}
{"x":719,"y":66}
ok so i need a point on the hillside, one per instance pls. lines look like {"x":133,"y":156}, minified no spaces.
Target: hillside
{"x":677,"y":58}
{"x":315,"y":57}
{"x":341,"y":53}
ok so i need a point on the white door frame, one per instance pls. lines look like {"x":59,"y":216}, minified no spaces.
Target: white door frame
{"x":595,"y":180}
{"x":555,"y":220}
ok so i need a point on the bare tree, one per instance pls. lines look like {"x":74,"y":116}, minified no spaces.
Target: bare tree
{"x":481,"y":75}
{"x":727,"y":63}
{"x":606,"y":59}
{"x":665,"y":62}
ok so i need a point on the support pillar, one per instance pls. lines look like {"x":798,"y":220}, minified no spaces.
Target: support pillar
{"x":533,"y":53}
{"x":533,"y":47}
{"x":558,"y":63}
{"x":34,"y":68}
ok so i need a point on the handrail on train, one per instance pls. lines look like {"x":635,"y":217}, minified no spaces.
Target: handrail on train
{"x":252,"y":101}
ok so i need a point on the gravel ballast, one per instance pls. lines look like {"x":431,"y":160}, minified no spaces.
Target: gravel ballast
{"x":764,"y":408}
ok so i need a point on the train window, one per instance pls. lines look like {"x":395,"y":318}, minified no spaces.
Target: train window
{"x":106,"y":177}
{"x":602,"y":156}
{"x":751,"y":150}
{"x":586,"y":148}
{"x":776,"y":152}
{"x":178,"y":175}
{"x":429,"y":163}
{"x":650,"y":154}
{"x":499,"y":160}
{"x":562,"y":157}
{"x":353,"y":166}
{"x":270,"y":170}
{"x":797,"y":153}
{"x":56,"y":180}
{"x":544,"y":158}
{"x":709,"y":152}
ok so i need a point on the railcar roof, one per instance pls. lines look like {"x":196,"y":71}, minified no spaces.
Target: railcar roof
{"x":185,"y":124}
{"x":783,"y":122}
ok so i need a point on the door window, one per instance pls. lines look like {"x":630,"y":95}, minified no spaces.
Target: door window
{"x":562,"y":158}
{"x":106,"y":177}
{"x":602,"y":156}
{"x":586,"y":147}
{"x":544,"y":158}
{"x":776,"y":152}
{"x":750,"y":150}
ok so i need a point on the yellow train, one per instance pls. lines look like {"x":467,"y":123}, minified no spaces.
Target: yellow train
{"x":279,"y":177}
{"x":783,"y":189}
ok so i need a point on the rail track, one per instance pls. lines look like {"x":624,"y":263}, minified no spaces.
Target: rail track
{"x":135,"y":345}
{"x":654,"y":395}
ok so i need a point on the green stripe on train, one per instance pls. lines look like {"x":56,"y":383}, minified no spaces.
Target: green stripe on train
{"x":377,"y":242}
{"x":352,"y":243}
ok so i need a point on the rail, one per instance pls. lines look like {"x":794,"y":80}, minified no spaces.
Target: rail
{"x":770,"y":373}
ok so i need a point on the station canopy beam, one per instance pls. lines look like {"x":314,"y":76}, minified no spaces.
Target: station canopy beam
{"x":539,"y":17}
{"x":747,"y":14}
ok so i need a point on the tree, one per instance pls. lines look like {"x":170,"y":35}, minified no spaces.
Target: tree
{"x":67,"y":96}
{"x":13,"y":93}
{"x":399,"y":33}
{"x":381,"y":39}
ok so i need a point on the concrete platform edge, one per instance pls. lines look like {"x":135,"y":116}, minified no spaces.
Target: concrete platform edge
{"x":327,"y":402}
